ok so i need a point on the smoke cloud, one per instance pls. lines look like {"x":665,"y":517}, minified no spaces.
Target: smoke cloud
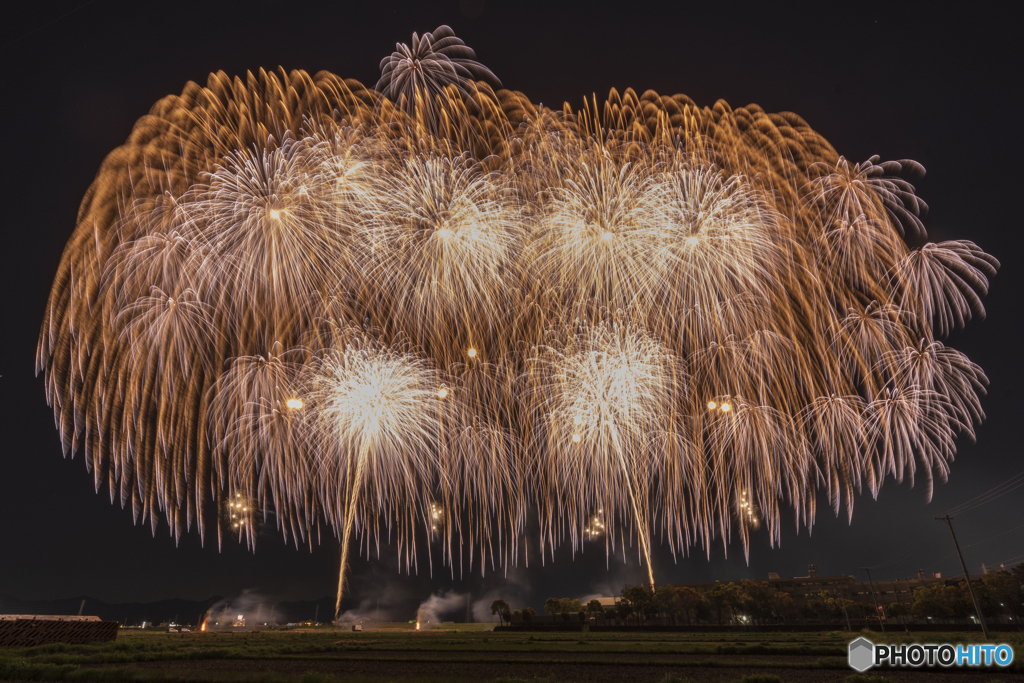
{"x":431,"y":611}
{"x":249,"y":608}
{"x":372,"y":610}
{"x":513,"y":589}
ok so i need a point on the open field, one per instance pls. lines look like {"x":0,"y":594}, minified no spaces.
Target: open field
{"x":474,"y":653}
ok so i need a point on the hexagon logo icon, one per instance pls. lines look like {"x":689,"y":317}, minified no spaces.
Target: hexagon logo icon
{"x":862,"y":654}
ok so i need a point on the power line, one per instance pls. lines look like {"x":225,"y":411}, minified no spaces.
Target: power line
{"x":911,"y":551}
{"x":903,"y":554}
{"x":988,"y":564}
{"x":1002,"y":533}
{"x":992,"y":494}
{"x":49,"y":23}
{"x":1011,"y":561}
{"x":990,"y":538}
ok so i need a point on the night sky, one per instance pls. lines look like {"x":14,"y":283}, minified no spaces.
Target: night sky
{"x":941,"y":88}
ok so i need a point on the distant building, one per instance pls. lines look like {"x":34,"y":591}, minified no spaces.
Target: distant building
{"x":802,"y":588}
{"x":809,"y":587}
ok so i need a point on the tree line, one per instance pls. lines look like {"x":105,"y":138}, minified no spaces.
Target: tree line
{"x":1000,"y":595}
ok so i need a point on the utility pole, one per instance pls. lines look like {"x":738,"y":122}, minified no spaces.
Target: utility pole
{"x":842,"y":603}
{"x":981,"y":617}
{"x":878,"y":610}
{"x":896,"y":591}
{"x":316,"y":614}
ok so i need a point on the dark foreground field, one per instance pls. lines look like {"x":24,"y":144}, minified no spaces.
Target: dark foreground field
{"x":473,"y":654}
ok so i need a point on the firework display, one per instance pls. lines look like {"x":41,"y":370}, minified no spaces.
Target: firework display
{"x":415,"y":313}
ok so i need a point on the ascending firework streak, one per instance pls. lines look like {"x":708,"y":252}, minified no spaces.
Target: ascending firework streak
{"x":603,"y":401}
{"x":379,"y":430}
{"x":295,"y":297}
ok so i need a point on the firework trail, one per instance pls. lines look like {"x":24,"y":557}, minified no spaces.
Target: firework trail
{"x":602,"y":400}
{"x":378,"y":428}
{"x":419,"y":311}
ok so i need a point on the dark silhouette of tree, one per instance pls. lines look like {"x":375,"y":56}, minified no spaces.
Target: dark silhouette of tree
{"x":667,"y":603}
{"x":756,"y":599}
{"x":569,"y":605}
{"x":1000,"y":593}
{"x":783,"y":605}
{"x":639,"y":599}
{"x":722,"y":598}
{"x":501,"y":609}
{"x":943,"y":602}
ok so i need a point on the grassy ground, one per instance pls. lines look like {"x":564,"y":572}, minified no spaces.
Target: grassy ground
{"x":474,"y":653}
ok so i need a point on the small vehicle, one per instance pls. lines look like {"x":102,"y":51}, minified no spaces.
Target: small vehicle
{"x":172,"y":630}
